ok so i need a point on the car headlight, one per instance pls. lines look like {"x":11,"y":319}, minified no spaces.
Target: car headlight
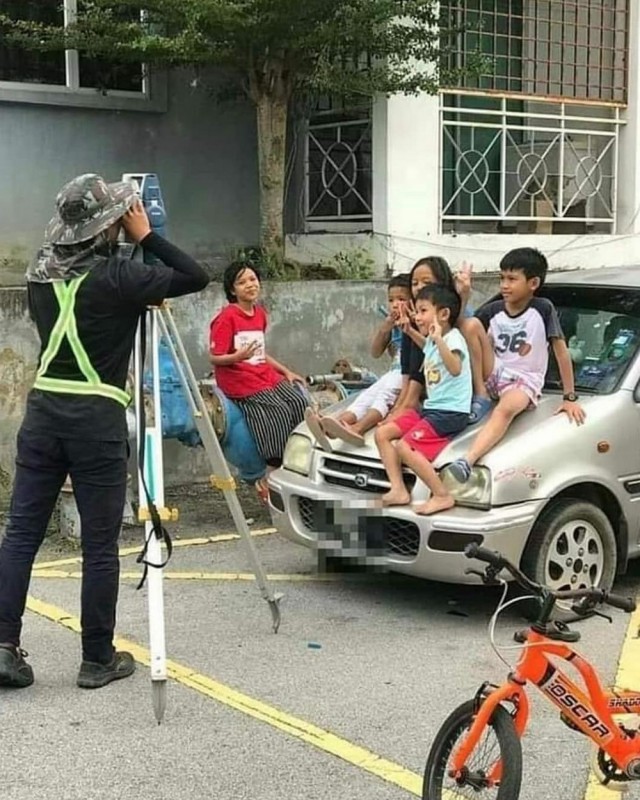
{"x":475,"y":493}
{"x":297,"y":454}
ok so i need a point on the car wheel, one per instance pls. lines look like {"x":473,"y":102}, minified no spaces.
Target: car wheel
{"x":571,"y":546}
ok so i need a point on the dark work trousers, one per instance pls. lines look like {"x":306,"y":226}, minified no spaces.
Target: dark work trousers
{"x":98,"y":472}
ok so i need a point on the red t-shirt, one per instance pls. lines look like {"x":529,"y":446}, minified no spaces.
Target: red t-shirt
{"x":232,"y":330}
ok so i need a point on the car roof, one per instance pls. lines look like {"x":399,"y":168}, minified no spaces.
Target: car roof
{"x":614,"y":277}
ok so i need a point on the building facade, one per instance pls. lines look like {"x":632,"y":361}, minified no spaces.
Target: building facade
{"x":543,"y":149}
{"x":62,"y":114}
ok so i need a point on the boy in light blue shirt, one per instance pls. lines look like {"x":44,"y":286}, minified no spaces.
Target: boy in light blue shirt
{"x":425,"y":433}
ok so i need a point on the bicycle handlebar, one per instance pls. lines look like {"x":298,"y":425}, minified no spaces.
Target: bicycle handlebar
{"x":499,"y":562}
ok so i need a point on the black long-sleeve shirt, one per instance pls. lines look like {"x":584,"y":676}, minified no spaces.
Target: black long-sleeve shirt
{"x":107,"y":311}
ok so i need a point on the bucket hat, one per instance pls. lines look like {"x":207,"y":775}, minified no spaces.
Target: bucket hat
{"x":86,"y":206}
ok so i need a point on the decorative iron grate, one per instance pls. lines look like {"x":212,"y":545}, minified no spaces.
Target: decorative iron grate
{"x":575,"y":49}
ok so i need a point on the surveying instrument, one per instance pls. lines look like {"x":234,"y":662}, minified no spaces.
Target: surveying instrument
{"x":156,"y":326}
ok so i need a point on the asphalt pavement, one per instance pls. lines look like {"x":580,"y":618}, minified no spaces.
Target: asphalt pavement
{"x":343,"y":702}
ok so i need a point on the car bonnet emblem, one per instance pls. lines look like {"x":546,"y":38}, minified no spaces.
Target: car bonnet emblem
{"x":361,"y":480}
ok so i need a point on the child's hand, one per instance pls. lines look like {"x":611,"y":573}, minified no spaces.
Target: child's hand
{"x":435,"y":331}
{"x":573,"y":410}
{"x":248,"y":351}
{"x":293,"y":377}
{"x":390,"y":321}
{"x":462,"y":280}
{"x":404,"y":318}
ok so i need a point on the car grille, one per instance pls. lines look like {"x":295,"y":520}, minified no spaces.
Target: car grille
{"x":365,"y":475}
{"x":400,"y":537}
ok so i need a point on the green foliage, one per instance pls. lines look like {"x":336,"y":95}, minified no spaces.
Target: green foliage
{"x":349,"y":47}
{"x":270,"y":266}
{"x":270,"y":50}
{"x":351,"y":265}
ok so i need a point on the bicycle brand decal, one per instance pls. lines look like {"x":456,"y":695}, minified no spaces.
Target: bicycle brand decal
{"x":621,"y":702}
{"x":561,"y":693}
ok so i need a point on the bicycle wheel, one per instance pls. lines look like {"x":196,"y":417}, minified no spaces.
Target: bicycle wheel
{"x":498,"y":741}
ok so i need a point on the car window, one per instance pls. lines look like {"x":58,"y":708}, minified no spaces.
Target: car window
{"x":602,"y":331}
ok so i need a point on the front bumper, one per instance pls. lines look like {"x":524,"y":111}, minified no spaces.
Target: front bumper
{"x":351,"y":524}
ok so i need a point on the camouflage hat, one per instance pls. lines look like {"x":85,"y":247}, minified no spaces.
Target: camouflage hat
{"x":86,"y":206}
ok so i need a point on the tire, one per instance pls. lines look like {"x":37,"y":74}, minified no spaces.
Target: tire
{"x":510,"y":750}
{"x":572,"y":546}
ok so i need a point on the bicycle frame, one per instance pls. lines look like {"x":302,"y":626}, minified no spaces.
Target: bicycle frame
{"x":591,"y":711}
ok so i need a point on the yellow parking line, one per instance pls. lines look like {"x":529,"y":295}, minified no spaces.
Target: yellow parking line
{"x":131,"y":551}
{"x":293,"y":726}
{"x":293,"y":577}
{"x":627,"y":677}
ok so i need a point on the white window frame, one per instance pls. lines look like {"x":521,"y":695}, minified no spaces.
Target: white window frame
{"x":153,"y":96}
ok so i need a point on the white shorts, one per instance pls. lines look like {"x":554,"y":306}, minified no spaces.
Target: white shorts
{"x":379,"y":397}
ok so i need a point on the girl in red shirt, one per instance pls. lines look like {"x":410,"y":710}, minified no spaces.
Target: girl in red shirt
{"x":262,"y":388}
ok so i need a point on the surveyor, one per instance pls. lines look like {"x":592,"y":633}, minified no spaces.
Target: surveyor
{"x":86,"y":302}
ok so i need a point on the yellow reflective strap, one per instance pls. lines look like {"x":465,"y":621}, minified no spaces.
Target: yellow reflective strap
{"x":66,"y":301}
{"x":66,"y":325}
{"x":80,"y":387}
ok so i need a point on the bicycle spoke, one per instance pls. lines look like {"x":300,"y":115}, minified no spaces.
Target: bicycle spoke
{"x":482,"y":760}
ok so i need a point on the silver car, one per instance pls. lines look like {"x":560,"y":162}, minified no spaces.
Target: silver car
{"x":560,"y":500}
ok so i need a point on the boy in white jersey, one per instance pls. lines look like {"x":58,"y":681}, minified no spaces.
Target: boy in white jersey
{"x":516,"y":331}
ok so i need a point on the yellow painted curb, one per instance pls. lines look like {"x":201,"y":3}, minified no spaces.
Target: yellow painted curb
{"x":133,"y":551}
{"x":293,"y":726}
{"x":627,"y":677}
{"x":207,"y":576}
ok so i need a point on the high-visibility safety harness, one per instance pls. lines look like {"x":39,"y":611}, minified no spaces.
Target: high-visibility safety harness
{"x":66,"y":325}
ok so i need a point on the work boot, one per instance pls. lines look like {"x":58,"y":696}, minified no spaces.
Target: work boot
{"x":14,"y":670}
{"x":93,"y":675}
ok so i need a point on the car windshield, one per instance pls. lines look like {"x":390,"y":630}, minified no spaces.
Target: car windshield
{"x":602,"y":330}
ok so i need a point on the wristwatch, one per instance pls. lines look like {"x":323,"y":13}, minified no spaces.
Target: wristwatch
{"x":570,"y":397}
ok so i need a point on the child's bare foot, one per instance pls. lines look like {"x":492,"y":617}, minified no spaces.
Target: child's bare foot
{"x":396,"y":497}
{"x":339,"y":430}
{"x":435,"y":504}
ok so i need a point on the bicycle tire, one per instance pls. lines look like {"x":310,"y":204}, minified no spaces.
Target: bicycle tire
{"x":447,"y":737}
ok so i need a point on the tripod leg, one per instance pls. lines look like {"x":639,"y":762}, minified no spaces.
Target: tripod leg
{"x":222,"y":478}
{"x":152,"y":470}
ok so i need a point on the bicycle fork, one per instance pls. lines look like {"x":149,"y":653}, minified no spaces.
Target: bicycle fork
{"x":487,"y":699}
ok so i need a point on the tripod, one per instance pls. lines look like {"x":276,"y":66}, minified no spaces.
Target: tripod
{"x":151,"y":485}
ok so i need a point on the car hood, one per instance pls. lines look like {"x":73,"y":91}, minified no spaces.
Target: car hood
{"x":529,"y":434}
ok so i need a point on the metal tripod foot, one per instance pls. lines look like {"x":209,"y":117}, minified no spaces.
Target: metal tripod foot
{"x":274,"y":605}
{"x":159,"y":697}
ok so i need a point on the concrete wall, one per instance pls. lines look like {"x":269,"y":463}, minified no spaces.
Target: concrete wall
{"x":204,"y":153}
{"x":484,"y":251}
{"x":312,"y":324}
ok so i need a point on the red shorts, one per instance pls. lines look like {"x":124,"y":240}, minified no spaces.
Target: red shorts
{"x":420,"y":435}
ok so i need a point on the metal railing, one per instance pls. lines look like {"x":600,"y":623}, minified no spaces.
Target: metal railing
{"x":338,"y":170}
{"x":576,"y":49}
{"x":512,"y":159}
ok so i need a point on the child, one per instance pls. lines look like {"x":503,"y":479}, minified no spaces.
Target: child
{"x":426,"y":272}
{"x":261,"y":387}
{"x":445,"y":412}
{"x":373,"y":404}
{"x":515,"y":333}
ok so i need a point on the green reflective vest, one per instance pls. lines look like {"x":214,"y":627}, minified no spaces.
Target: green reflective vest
{"x":66,"y":326}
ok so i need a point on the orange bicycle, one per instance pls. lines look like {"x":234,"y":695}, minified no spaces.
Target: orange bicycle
{"x":478,"y":748}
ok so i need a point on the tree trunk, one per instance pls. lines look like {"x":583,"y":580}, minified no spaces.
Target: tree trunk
{"x":272,"y":135}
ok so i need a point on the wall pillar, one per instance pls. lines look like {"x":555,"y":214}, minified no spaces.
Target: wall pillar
{"x":406,"y":171}
{"x":629,"y":149}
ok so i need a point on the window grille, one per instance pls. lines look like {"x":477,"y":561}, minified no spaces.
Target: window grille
{"x":574,"y":49}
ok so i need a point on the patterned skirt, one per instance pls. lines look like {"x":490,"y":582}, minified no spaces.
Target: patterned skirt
{"x":271,"y":416}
